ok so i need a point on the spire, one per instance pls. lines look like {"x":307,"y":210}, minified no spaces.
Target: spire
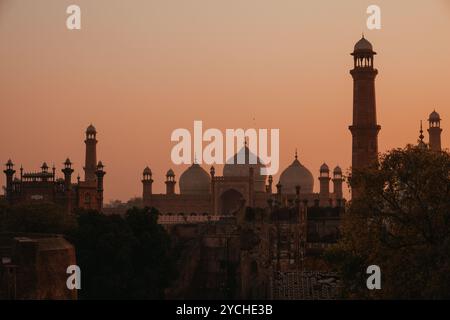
{"x":421,"y":144}
{"x":421,"y":132}
{"x":296,"y":154}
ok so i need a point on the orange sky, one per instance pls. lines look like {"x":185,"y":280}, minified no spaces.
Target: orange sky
{"x":139,"y":69}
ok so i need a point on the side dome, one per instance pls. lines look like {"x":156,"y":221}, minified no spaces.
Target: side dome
{"x":296,"y":175}
{"x":234,"y":169}
{"x":195,"y":180}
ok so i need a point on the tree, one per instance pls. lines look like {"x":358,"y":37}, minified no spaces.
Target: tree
{"x":122,"y":257}
{"x":41,"y":217}
{"x":400,"y":221}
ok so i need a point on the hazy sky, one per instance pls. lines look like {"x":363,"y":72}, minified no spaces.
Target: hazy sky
{"x":140,"y":69}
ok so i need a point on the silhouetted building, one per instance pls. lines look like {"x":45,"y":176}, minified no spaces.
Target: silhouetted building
{"x":364,"y":128}
{"x":240,"y":185}
{"x":45,"y":186}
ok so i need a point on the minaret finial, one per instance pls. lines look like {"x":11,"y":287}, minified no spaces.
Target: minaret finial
{"x":296,"y":154}
{"x":421,"y":136}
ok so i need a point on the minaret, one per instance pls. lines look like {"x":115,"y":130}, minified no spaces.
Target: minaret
{"x":90,"y":165}
{"x":170,"y":182}
{"x":67,"y":174}
{"x":434,"y":131}
{"x":68,"y":183}
{"x":100,"y":173}
{"x":44,"y":170}
{"x":364,"y":128}
{"x":9,"y":172}
{"x":147,"y":183}
{"x":324,"y":178}
{"x":337,"y":185}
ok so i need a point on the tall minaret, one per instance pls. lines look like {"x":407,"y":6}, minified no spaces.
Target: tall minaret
{"x":90,"y":165}
{"x":434,"y":131}
{"x":364,"y":128}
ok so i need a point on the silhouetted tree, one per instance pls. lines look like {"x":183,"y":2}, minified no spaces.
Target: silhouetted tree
{"x":122,"y":258}
{"x":35,"y":218}
{"x":400,"y":221}
{"x":150,"y":253}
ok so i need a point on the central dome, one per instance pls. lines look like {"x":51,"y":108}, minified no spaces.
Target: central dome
{"x":234,"y":169}
{"x":296,"y":175}
{"x":195,"y":180}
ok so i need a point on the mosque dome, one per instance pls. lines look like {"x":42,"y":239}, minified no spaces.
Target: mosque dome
{"x":195,"y":180}
{"x":434,"y":117}
{"x":234,"y":169}
{"x":363,"y":45}
{"x":296,"y":175}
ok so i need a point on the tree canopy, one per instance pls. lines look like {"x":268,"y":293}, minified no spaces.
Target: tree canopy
{"x":41,"y":217}
{"x":122,"y":257}
{"x":400,"y":221}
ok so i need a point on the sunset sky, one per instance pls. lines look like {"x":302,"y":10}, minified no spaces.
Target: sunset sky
{"x":139,"y":69}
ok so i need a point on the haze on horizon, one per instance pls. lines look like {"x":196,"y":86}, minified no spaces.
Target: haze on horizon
{"x":140,"y":69}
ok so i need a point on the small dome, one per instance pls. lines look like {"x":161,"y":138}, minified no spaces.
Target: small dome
{"x":337,"y":170}
{"x":67,"y":161}
{"x":363,"y":45}
{"x":296,"y":175}
{"x":434,"y":117}
{"x":9,"y":163}
{"x":324,"y":168}
{"x":195,"y":180}
{"x":91,"y":129}
{"x":100,"y":164}
{"x":234,"y":169}
{"x":44,"y":166}
{"x":170,"y":173}
{"x":147,"y":171}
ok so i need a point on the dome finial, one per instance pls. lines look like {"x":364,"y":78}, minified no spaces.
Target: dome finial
{"x":296,"y":154}
{"x":421,"y":132}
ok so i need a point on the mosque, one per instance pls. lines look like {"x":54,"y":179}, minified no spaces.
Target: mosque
{"x":241,"y":185}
